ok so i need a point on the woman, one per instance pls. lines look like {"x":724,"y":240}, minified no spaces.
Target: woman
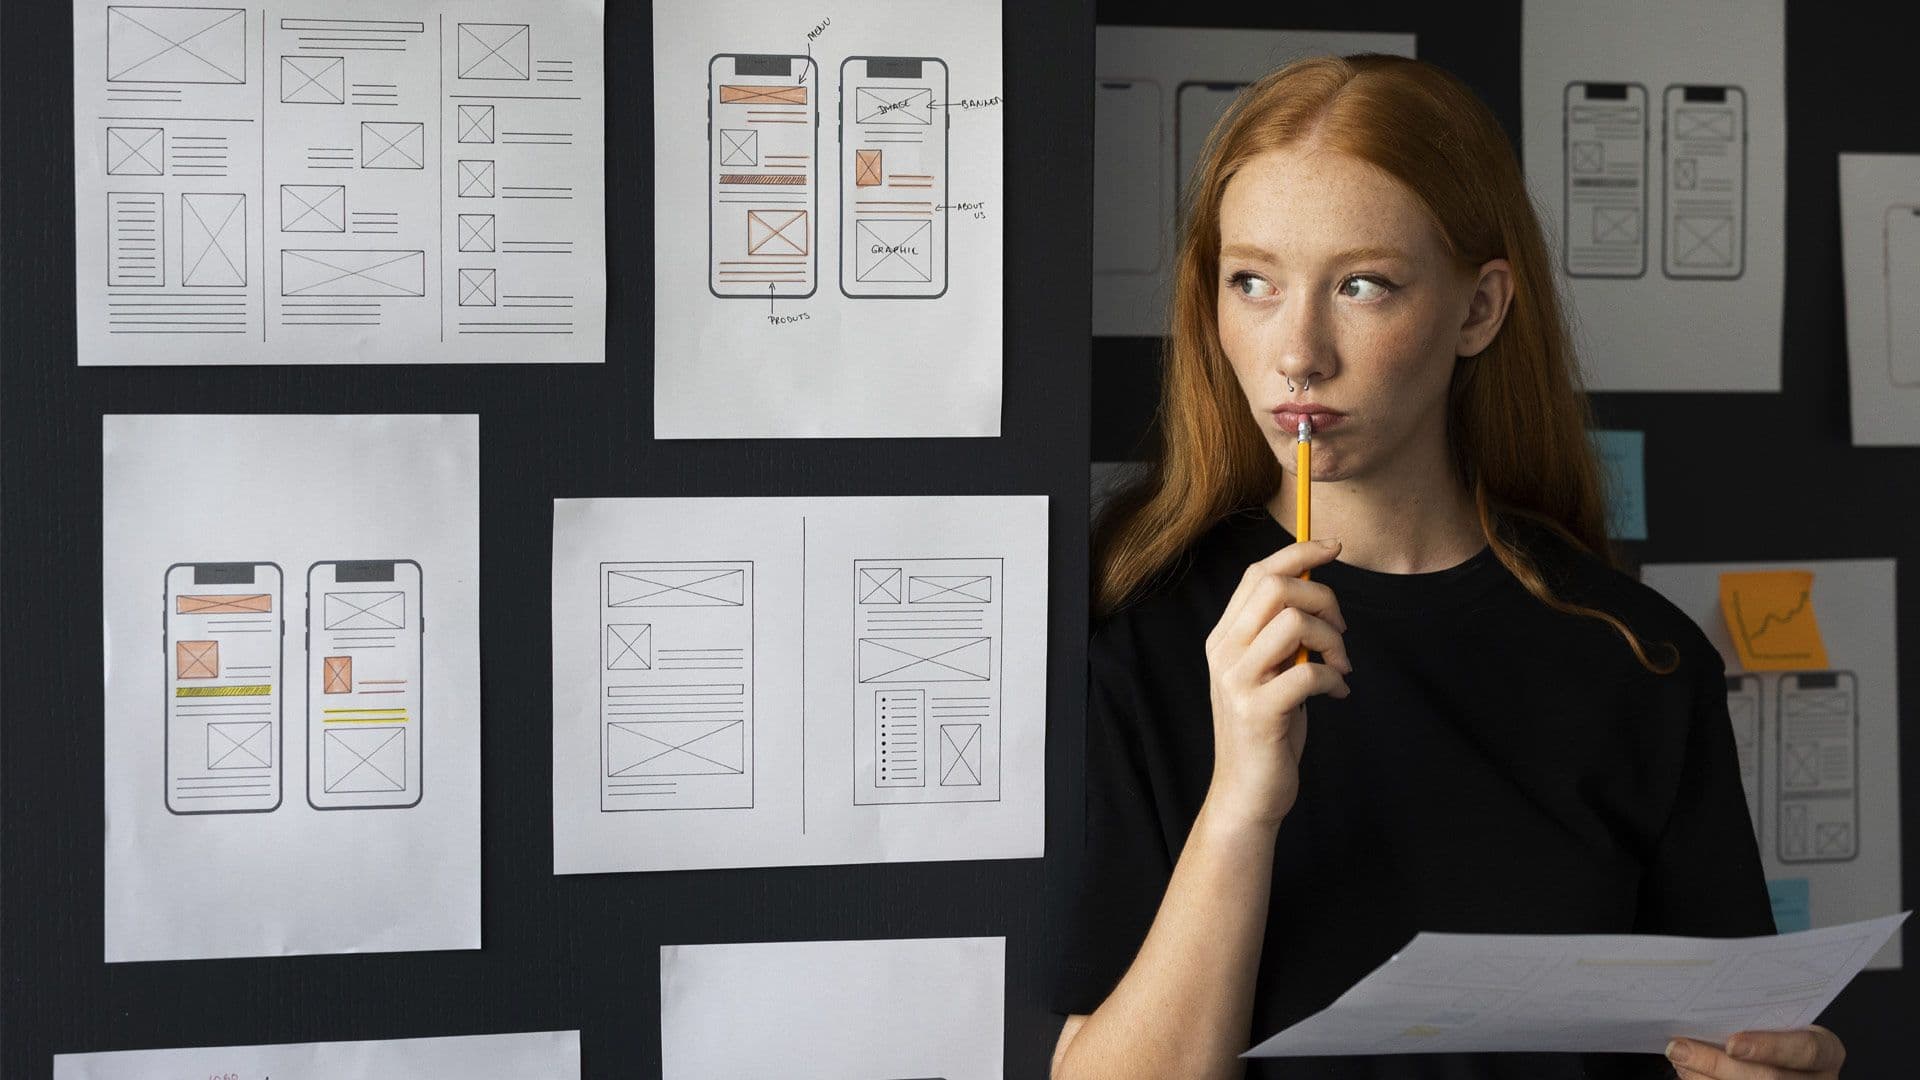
{"x":1509,"y":735}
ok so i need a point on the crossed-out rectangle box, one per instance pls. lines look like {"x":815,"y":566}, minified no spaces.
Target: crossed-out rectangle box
{"x":324,"y":272}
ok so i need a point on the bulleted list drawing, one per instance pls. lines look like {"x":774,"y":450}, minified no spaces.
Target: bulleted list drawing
{"x":763,"y":115}
{"x":223,"y":690}
{"x":366,"y":636}
{"x":676,"y":685}
{"x":927,"y":662}
{"x":894,"y":169}
{"x":295,"y":185}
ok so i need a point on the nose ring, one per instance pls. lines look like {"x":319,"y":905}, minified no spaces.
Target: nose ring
{"x":1306,"y":383}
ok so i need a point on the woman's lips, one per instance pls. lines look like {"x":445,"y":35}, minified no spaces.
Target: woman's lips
{"x":1289,"y":419}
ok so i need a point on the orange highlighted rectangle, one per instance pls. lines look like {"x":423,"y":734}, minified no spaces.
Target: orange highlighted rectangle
{"x":866,"y":168}
{"x":336,"y":675}
{"x":1770,"y":616}
{"x":196,"y":659}
{"x":232,"y":603}
{"x":762,"y":95}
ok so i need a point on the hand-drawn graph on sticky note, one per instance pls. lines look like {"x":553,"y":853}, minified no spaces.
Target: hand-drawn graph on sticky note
{"x":676,"y":713}
{"x":762,"y":167}
{"x":1771,"y":618}
{"x":926,"y":667}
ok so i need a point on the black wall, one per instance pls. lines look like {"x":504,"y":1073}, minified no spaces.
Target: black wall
{"x":559,"y":952}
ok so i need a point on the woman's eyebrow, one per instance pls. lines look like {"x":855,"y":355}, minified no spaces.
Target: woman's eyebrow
{"x":1358,"y":254}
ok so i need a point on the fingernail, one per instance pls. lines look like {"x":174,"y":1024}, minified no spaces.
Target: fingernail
{"x":1330,"y":545}
{"x":1677,"y":1052}
{"x":1740,"y":1048}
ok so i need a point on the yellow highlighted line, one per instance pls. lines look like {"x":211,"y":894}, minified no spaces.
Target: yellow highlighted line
{"x":363,"y":710}
{"x":222,"y":691}
{"x":365,"y":720}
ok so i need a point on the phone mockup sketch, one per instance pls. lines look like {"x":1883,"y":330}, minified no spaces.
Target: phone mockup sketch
{"x":1604,"y":135}
{"x":365,"y":652}
{"x":223,"y":631}
{"x":1198,"y":106}
{"x":763,"y":170}
{"x":1903,"y":294}
{"x":1129,"y":218}
{"x":1819,"y":760}
{"x":1743,"y":708}
{"x":894,"y":167}
{"x":1705,"y":150}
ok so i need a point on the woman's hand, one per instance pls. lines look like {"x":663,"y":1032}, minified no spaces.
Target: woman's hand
{"x":1259,"y":722}
{"x":1799,"y":1053}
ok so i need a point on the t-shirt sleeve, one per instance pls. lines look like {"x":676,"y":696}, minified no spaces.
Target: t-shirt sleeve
{"x":1125,"y":865}
{"x":1705,"y":878}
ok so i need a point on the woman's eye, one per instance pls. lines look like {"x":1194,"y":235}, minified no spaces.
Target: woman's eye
{"x":1251,"y":285}
{"x":1374,"y":288}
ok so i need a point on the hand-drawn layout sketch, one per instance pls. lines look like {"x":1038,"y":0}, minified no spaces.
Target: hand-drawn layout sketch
{"x":676,"y":685}
{"x":551,"y":1055}
{"x":291,"y":187}
{"x":797,"y":681}
{"x":894,"y":123}
{"x":763,"y":124}
{"x":1706,"y":188}
{"x":927,"y":638}
{"x":224,"y":696}
{"x":828,"y":1010}
{"x":848,"y":161}
{"x":365,"y":664}
{"x":1604,"y":220}
{"x":1817,"y":744}
{"x":1593,"y":993}
{"x":1158,"y":91}
{"x":269,"y":684}
{"x":1662,"y":141}
{"x":1880,"y":258}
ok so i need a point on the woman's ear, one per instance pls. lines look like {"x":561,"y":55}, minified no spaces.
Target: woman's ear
{"x":1487,"y":309}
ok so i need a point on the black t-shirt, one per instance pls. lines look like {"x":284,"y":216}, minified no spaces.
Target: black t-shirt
{"x":1500,"y":767}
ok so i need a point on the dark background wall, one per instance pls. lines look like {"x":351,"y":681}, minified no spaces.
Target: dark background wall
{"x":1729,"y":476}
{"x":581,"y":952}
{"x":559,"y":952}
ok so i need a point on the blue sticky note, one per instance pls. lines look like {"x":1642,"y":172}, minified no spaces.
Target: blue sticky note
{"x":1623,"y":463}
{"x":1792,"y":910}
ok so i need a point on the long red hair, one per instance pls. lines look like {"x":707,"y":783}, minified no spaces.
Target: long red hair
{"x":1517,"y":414}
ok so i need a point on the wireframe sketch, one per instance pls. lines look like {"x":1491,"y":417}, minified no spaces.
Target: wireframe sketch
{"x":366,"y":640}
{"x":493,"y":51}
{"x":676,"y":685}
{"x":313,"y":80}
{"x":369,"y":272}
{"x":894,"y":165}
{"x":1903,"y":294}
{"x":223,"y":689}
{"x":763,"y":172}
{"x":1705,"y":141}
{"x":393,"y":145}
{"x":1604,"y":133}
{"x":136,"y":151}
{"x":213,"y":239}
{"x":176,"y":44}
{"x":136,"y":238}
{"x":1743,"y":708}
{"x":1198,"y":106}
{"x":1819,"y":758}
{"x":315,"y":208}
{"x":927,"y":667}
{"x":1128,"y":200}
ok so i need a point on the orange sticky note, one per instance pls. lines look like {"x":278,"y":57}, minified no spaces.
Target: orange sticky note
{"x":1770,"y":615}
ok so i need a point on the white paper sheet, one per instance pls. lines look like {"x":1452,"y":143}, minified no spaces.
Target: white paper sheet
{"x":1157,"y":92}
{"x":828,"y":1010}
{"x":1655,"y":146}
{"x":1853,"y":600}
{"x":1599,"y":993}
{"x":1880,"y":252}
{"x":551,"y":1055}
{"x":827,"y":218}
{"x":292,"y":759}
{"x":362,"y":181}
{"x":793,"y":681}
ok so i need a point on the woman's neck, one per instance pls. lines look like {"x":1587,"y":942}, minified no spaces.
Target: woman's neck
{"x":1400,"y":521}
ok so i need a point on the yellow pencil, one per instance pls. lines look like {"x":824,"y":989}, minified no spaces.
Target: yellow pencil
{"x":1302,"y":529}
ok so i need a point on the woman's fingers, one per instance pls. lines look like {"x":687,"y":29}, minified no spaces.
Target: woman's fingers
{"x":1272,"y":595}
{"x":1280,"y":640}
{"x":1287,"y":563}
{"x":1291,"y":688}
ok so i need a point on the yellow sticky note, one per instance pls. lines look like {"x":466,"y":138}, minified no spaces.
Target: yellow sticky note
{"x":1770,"y":615}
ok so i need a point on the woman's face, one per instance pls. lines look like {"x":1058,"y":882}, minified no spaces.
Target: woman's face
{"x":1330,"y":271}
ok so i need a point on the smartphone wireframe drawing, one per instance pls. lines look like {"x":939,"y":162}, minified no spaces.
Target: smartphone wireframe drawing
{"x":1129,"y":218}
{"x":1819,"y":756}
{"x":1604,"y":135}
{"x":1705,"y":150}
{"x":763,"y":169}
{"x":1198,"y":106}
{"x":894,"y":167}
{"x":365,"y":652}
{"x":1743,"y":708}
{"x":1903,"y":294}
{"x":223,"y":630}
